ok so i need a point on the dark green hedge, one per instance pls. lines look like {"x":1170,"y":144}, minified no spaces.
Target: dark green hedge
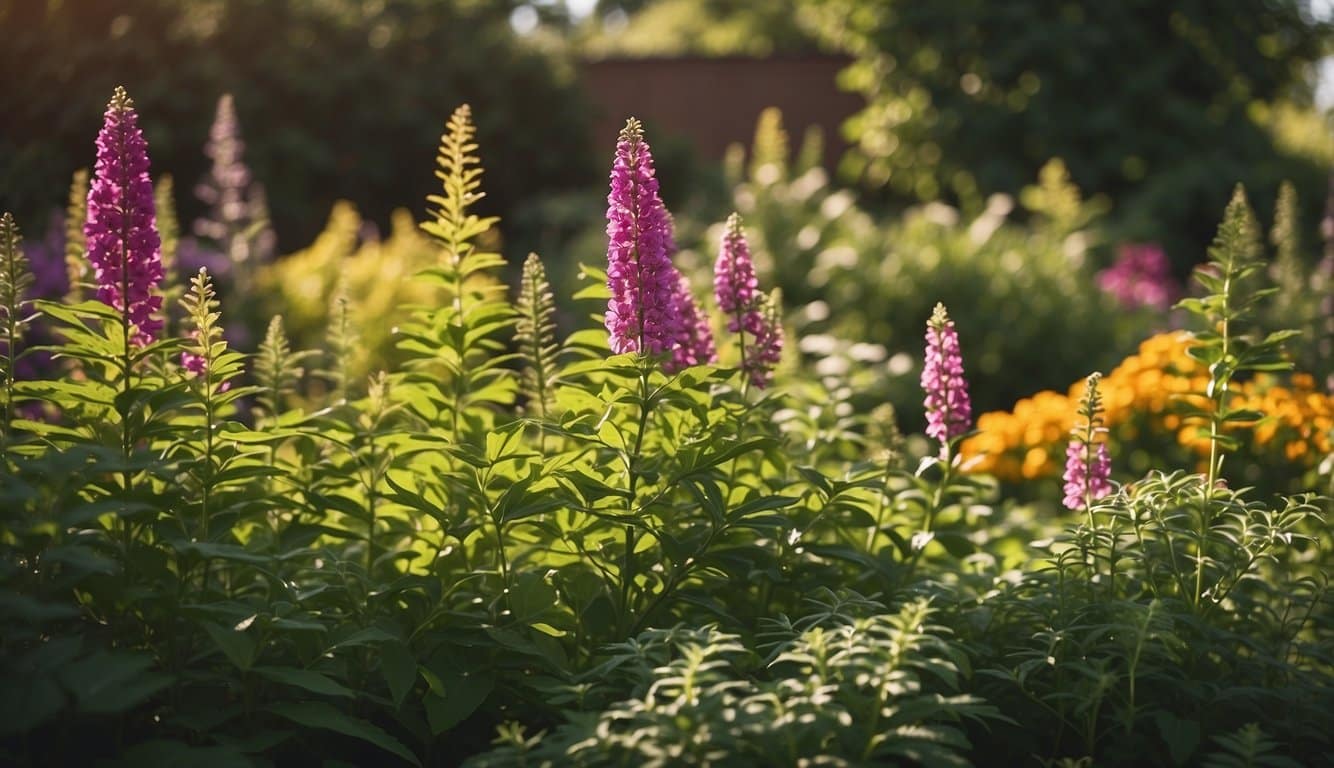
{"x":337,"y":98}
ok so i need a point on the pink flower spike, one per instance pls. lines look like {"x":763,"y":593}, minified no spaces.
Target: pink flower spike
{"x":948,"y":408}
{"x":694,"y":344}
{"x":766,"y":353}
{"x":1086,"y":481}
{"x":1088,"y":467}
{"x":124,"y":247}
{"x":643,"y":314}
{"x":734,"y":283}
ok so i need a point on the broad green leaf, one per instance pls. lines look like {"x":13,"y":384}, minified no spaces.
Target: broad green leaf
{"x":305,"y":679}
{"x":235,"y":644}
{"x":318,"y":714}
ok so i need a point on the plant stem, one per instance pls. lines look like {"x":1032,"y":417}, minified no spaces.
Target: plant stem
{"x":1220,"y":375}
{"x":632,"y":465}
{"x":937,"y":500}
{"x":370,"y":503}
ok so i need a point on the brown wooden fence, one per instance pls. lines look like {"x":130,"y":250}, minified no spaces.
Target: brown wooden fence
{"x":714,"y":102}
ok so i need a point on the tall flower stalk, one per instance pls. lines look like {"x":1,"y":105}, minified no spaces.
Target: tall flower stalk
{"x":15,"y":280}
{"x":767,"y":351}
{"x":1225,"y":348}
{"x":76,"y":247}
{"x":643,"y":314}
{"x":237,"y":222}
{"x":948,"y":407}
{"x":1087,"y":463}
{"x":123,"y":244}
{"x":948,"y":413}
{"x":121,"y":232}
{"x":736,"y":290}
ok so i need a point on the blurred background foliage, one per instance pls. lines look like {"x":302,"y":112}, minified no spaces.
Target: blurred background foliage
{"x":338,"y":98}
{"x":1150,"y":104}
{"x":1029,"y":313}
{"x":1159,"y":106}
{"x":1007,"y":151}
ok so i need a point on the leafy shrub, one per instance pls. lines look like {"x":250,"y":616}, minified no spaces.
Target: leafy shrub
{"x":1148,"y":104}
{"x":601,"y":560}
{"x":348,"y":94}
{"x":1023,"y":297}
{"x":838,"y":686}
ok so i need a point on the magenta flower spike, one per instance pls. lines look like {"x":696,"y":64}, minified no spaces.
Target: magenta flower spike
{"x":736,"y":289}
{"x":948,"y":408}
{"x":1141,"y":277}
{"x":694,"y":343}
{"x":121,"y":229}
{"x":734,"y":283}
{"x":1088,"y":467}
{"x":1088,"y":470}
{"x":766,"y":353}
{"x":643,"y":314}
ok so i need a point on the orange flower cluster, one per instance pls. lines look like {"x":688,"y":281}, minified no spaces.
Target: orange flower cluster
{"x":1139,"y":395}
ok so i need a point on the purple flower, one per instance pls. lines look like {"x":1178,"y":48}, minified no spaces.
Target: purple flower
{"x":749,"y":313}
{"x":123,"y":244}
{"x":694,"y":341}
{"x":238,"y":213}
{"x":46,"y":258}
{"x":1088,"y":470}
{"x":767,"y":352}
{"x":643,"y":314}
{"x":948,"y":409}
{"x":734,"y":283}
{"x":1141,"y":277}
{"x":195,"y":364}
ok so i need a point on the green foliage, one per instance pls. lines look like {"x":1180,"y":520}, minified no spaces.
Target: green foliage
{"x":1023,"y":297}
{"x":169,"y":230}
{"x":699,"y":27}
{"x":971,"y":99}
{"x":1178,"y":583}
{"x":348,"y":258}
{"x":457,"y":366}
{"x":15,"y":280}
{"x":76,"y":251}
{"x":603,"y":564}
{"x":1304,"y":285}
{"x":836,"y":685}
{"x":535,"y":335}
{"x":1249,"y":746}
{"x":300,"y":59}
{"x":277,"y":369}
{"x":1230,"y":302}
{"x":340,"y":345}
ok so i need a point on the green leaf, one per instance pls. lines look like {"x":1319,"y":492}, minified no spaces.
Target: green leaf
{"x":237,"y":646}
{"x":762,"y":504}
{"x":28,"y":702}
{"x":219,"y":551}
{"x":305,"y":679}
{"x":400,"y":670}
{"x":318,"y":714}
{"x":373,"y":636}
{"x":161,"y":753}
{"x":1182,"y":736}
{"x":454,"y":696}
{"x":107,"y":682}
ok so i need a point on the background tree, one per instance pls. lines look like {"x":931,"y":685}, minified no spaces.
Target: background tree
{"x":1160,"y":106}
{"x":343,"y":97}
